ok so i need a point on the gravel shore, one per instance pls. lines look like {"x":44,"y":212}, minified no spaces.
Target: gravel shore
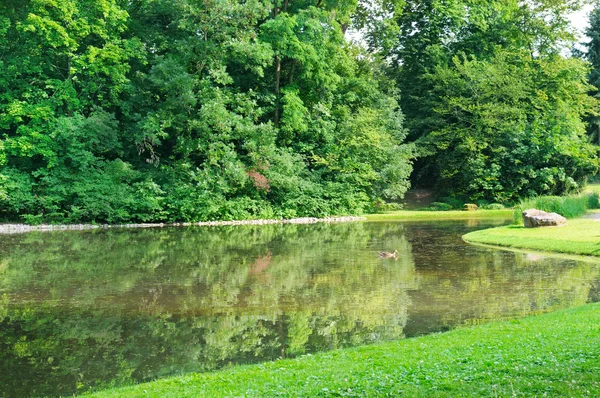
{"x":22,"y":228}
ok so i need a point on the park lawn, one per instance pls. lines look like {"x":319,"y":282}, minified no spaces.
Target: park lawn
{"x":555,"y":354}
{"x":439,"y":215}
{"x":580,"y":236}
{"x":591,"y":188}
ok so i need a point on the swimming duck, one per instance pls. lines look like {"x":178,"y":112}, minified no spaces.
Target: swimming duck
{"x":388,"y":254}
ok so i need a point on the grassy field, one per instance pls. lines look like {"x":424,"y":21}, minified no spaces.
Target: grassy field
{"x":440,"y":215}
{"x":556,"y":354}
{"x":579,"y":236}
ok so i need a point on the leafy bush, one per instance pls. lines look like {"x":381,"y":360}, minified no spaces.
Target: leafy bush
{"x":493,"y":206}
{"x":455,"y":203}
{"x":593,"y":201}
{"x":439,"y":206}
{"x":482,"y":203}
{"x":381,"y":206}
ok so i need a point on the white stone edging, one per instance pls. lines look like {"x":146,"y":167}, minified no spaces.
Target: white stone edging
{"x":22,"y":228}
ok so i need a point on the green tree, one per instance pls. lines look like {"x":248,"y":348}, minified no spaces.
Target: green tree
{"x":186,"y":110}
{"x":592,"y":54}
{"x":479,"y":82}
{"x":63,"y":74}
{"x":268,"y":103}
{"x":510,"y":127}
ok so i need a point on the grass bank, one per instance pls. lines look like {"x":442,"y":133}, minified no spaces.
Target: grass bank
{"x":579,"y":236}
{"x":556,"y":354}
{"x":439,"y":215}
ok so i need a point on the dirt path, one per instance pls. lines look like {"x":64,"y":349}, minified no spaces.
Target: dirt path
{"x":593,"y":215}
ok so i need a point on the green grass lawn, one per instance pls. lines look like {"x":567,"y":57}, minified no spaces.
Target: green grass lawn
{"x":556,"y":354}
{"x":439,"y":215}
{"x":592,"y":188}
{"x":579,"y":236}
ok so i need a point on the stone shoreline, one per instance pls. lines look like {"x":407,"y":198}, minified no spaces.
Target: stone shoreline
{"x":23,"y":228}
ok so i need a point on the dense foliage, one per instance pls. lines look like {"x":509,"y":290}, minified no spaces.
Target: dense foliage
{"x":159,"y":110}
{"x":490,"y":98}
{"x":591,"y":52}
{"x":185,"y":110}
{"x":502,"y":131}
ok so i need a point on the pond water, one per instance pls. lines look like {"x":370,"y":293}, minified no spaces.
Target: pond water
{"x":93,"y":309}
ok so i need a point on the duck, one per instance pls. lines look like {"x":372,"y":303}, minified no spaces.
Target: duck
{"x":388,"y":254}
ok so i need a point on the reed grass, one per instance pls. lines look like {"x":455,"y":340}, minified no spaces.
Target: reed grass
{"x":571,"y":206}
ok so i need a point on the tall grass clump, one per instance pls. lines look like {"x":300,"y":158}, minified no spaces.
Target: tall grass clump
{"x":567,"y":206}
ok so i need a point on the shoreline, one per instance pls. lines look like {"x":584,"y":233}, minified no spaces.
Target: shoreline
{"x":8,"y":229}
{"x":401,"y":215}
{"x":502,"y":358}
{"x":538,"y":252}
{"x":578,"y":237}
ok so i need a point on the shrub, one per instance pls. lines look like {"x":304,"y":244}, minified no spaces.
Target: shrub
{"x":482,"y":203}
{"x":454,"y":203}
{"x":593,"y":201}
{"x":381,"y":206}
{"x":439,"y":206}
{"x":494,"y":206}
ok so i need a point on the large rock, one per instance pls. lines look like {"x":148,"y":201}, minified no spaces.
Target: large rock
{"x":533,"y":218}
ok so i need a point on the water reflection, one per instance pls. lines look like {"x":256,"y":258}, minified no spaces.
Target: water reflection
{"x":81,"y":310}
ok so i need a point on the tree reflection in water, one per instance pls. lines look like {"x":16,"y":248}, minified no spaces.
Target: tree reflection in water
{"x":82,"y":310}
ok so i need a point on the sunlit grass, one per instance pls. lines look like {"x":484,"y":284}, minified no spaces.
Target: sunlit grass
{"x":555,"y":354}
{"x":592,"y":188}
{"x":439,"y":215}
{"x":579,"y":236}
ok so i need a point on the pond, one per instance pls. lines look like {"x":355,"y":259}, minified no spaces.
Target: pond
{"x":94,"y":309}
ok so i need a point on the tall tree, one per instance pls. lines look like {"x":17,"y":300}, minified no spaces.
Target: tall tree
{"x":510,"y":127}
{"x":592,"y":54}
{"x":63,"y":73}
{"x":443,"y":52}
{"x":192,"y":110}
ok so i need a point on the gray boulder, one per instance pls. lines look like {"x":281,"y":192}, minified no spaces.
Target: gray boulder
{"x":533,"y":218}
